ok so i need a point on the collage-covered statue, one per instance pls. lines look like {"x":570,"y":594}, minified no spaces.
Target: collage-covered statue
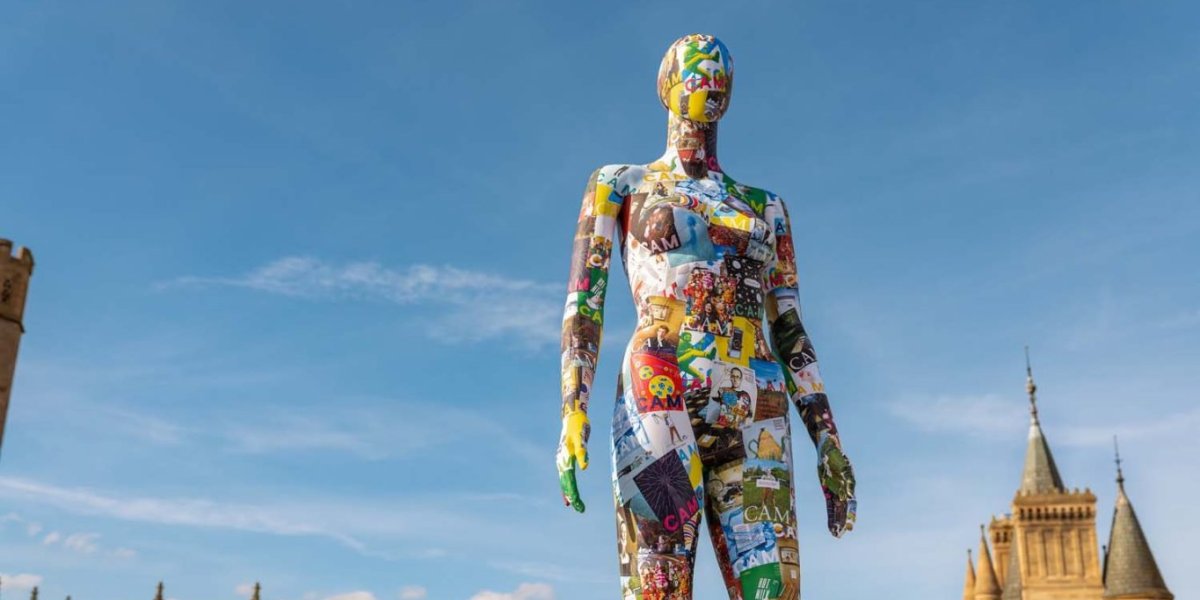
{"x":701,"y":428}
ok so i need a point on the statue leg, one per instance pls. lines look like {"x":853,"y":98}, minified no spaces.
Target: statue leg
{"x":657,"y":483}
{"x":751,"y":513}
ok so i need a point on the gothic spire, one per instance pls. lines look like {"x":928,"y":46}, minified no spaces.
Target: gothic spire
{"x":1129,"y":565}
{"x":969,"y":586}
{"x":257,"y":590}
{"x":159,"y":595}
{"x":1012,"y":577}
{"x":987,"y":587}
{"x":1041,"y":474}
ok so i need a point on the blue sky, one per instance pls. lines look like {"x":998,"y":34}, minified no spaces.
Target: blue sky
{"x":300,"y":266}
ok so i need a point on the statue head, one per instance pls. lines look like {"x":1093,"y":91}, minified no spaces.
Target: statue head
{"x":695,"y":79}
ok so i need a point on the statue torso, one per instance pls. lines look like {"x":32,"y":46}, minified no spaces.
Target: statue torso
{"x":697,"y":253}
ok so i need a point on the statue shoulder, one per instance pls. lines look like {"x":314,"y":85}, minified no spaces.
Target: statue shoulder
{"x":619,"y":178}
{"x":764,"y":201}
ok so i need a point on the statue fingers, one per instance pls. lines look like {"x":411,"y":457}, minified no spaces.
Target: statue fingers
{"x":570,"y":488}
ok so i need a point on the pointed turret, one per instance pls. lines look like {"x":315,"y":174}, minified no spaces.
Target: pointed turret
{"x":1130,"y":571}
{"x":1012,"y":581}
{"x":33,"y":594}
{"x":1041,"y":474}
{"x":159,"y":595}
{"x":986,"y":585}
{"x":257,"y":590}
{"x":969,"y":586}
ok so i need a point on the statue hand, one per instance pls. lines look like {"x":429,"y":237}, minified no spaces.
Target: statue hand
{"x":837,"y":481}
{"x":572,"y":452}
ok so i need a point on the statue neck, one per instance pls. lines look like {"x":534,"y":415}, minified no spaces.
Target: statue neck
{"x":691,"y":147}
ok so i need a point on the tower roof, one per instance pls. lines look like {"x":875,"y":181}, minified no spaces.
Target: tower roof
{"x":1041,"y":474}
{"x":1012,"y":577}
{"x":1129,"y":565}
{"x":969,"y":585}
{"x":986,"y":584}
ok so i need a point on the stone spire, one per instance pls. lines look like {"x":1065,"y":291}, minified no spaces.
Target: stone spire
{"x":257,"y":590}
{"x":33,"y":594}
{"x":1130,"y":570}
{"x":159,"y":595}
{"x":986,"y":585}
{"x":1041,"y":474}
{"x":1012,"y":581}
{"x":969,"y":586}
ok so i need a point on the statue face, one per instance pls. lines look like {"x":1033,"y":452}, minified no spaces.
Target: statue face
{"x":695,"y":79}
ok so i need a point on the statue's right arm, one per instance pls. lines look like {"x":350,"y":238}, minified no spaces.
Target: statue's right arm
{"x":583,"y":319}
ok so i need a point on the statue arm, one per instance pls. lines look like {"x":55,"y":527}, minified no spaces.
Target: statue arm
{"x":795,"y":351}
{"x":583,"y":320}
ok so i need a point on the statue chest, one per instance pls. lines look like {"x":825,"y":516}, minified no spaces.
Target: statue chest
{"x":693,"y":221}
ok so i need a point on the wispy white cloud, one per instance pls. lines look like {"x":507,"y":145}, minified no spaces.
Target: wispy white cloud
{"x":472,"y":305}
{"x":988,"y":415}
{"x":525,"y":591}
{"x":147,"y":427}
{"x":387,"y":529}
{"x":357,"y":595}
{"x":399,"y":431}
{"x":82,"y":542}
{"x":413,"y":592}
{"x":20,"y":581}
{"x":32,"y":528}
{"x":355,"y":426}
{"x":191,"y":512}
{"x":1186,"y":422}
{"x":994,"y":417}
{"x":369,"y":434}
{"x":86,"y":543}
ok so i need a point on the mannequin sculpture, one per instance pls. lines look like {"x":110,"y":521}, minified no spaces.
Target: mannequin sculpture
{"x":701,"y":422}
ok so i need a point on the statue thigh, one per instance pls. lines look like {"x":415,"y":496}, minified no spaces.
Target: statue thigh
{"x":657,"y":482}
{"x":750,"y":508}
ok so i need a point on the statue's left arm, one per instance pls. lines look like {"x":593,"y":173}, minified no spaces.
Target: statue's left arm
{"x":795,"y":351}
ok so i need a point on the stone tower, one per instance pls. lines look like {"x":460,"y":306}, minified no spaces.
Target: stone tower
{"x":15,"y":271}
{"x":1046,"y":548}
{"x":1053,"y":529}
{"x":1130,"y":571}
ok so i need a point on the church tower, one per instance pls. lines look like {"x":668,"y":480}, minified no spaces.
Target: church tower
{"x":1046,"y":548}
{"x":1053,"y":530}
{"x":1130,"y":571}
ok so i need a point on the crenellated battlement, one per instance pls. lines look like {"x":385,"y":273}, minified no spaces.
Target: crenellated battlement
{"x":23,"y":255}
{"x":15,"y":270}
